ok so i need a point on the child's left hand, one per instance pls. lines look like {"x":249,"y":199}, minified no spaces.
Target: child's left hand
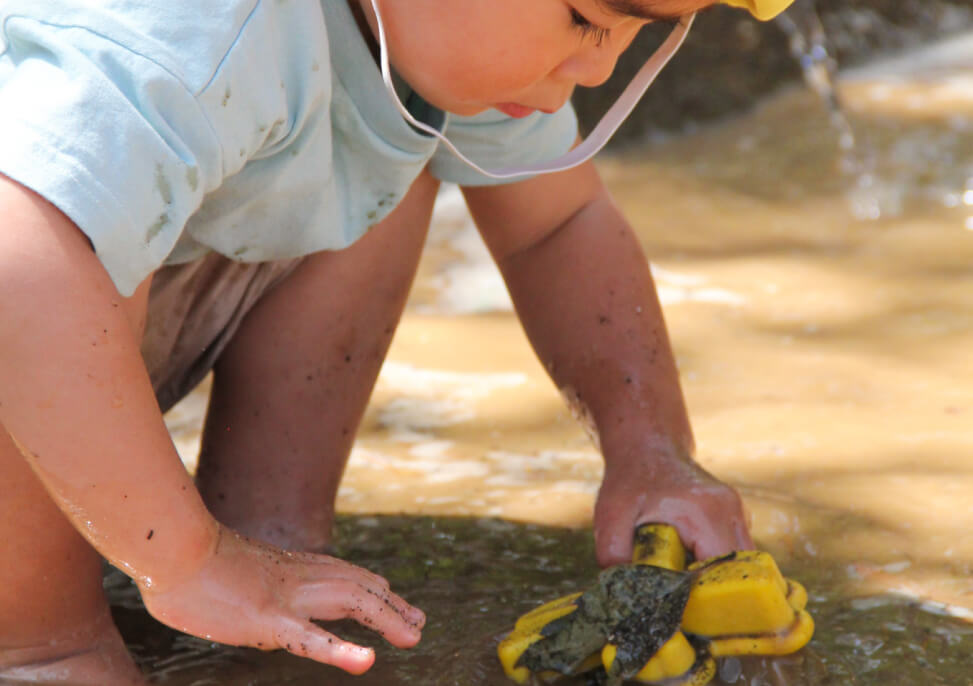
{"x":708,"y":514}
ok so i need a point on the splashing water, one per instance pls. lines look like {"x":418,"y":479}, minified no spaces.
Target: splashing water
{"x":809,"y":46}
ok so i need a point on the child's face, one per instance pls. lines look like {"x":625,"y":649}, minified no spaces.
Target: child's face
{"x":467,"y":56}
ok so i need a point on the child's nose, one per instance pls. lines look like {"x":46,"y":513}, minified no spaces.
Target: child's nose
{"x":591,"y":65}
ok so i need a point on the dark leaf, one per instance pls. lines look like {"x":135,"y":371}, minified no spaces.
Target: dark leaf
{"x":648,"y":606}
{"x":636,"y":607}
{"x":570,"y":640}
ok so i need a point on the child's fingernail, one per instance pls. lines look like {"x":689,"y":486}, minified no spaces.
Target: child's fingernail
{"x":362,"y":659}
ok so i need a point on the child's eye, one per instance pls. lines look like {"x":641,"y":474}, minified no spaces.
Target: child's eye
{"x":586,"y":28}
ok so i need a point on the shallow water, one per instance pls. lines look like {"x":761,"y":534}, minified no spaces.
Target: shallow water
{"x":475,"y":576}
{"x":821,"y":308}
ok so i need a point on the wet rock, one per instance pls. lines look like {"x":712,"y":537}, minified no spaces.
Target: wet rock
{"x":730,"y":60}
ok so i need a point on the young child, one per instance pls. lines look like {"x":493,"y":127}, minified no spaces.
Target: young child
{"x":231,"y":187}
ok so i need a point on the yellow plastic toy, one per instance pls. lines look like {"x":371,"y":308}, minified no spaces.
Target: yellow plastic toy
{"x":774,"y":623}
{"x":676,"y":663}
{"x":761,"y":9}
{"x":658,"y":621}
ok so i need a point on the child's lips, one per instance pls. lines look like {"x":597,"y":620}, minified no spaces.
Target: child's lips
{"x":515,"y":110}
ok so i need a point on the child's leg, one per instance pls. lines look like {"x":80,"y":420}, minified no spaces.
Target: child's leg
{"x":291,"y":388}
{"x":54,"y":620}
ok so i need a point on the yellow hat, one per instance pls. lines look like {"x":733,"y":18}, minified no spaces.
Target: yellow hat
{"x":761,"y":9}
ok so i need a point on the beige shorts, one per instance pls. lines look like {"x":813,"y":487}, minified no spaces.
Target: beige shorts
{"x":194,"y":310}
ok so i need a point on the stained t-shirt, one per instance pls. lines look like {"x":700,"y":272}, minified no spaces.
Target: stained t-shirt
{"x":260,"y":129}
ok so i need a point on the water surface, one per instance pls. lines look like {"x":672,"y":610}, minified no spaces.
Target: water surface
{"x":476,"y":575}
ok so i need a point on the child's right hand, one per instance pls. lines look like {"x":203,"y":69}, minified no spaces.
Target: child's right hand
{"x":247,"y":593}
{"x":74,"y":389}
{"x":640,"y":486}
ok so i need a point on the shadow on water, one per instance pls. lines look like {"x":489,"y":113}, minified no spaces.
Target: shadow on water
{"x":473,"y":577}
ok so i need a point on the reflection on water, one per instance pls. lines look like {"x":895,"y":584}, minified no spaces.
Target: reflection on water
{"x":826,"y":365}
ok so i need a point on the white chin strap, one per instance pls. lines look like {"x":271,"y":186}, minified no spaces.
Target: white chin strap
{"x":586,"y":149}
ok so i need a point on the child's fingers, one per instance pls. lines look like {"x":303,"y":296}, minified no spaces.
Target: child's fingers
{"x":333,"y":568}
{"x":720,"y":524}
{"x":614,"y":524}
{"x":336,"y":565}
{"x":307,"y":640}
{"x":710,"y":540}
{"x":373,"y":607}
{"x":372,"y":584}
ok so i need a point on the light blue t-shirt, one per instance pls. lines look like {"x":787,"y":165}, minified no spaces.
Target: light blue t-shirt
{"x":260,"y":129}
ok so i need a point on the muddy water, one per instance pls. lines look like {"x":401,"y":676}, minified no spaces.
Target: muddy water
{"x":821,"y":306}
{"x":476,"y":575}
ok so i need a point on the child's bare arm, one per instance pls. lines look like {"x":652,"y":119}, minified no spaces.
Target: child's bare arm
{"x":582,"y":289}
{"x":76,"y":398}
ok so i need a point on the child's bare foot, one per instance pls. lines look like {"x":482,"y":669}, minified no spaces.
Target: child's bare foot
{"x":97,"y":657}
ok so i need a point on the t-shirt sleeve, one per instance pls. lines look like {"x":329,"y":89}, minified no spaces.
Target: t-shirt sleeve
{"x":112,"y":138}
{"x":494,"y":140}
